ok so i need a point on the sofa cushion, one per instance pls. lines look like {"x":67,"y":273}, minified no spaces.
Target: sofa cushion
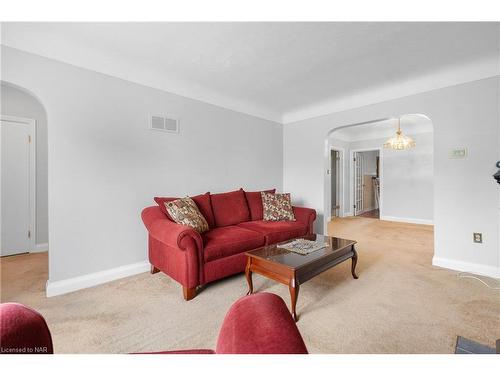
{"x":230,"y":240}
{"x":230,"y":208}
{"x":202,"y":202}
{"x":277,"y":207}
{"x":184,"y":211}
{"x":276,"y":231}
{"x":254,"y":200}
{"x":160,"y":201}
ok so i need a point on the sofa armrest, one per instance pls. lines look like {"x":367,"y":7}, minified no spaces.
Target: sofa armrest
{"x":306,"y":216}
{"x":164,"y":230}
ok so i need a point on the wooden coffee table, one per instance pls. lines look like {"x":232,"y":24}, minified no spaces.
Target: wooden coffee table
{"x":293,"y":269}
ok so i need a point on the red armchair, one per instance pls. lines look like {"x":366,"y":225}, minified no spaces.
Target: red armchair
{"x":23,"y":331}
{"x":255,"y":324}
{"x":236,"y":226}
{"x":259,"y":324}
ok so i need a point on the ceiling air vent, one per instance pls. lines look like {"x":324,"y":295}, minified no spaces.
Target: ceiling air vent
{"x":163,"y":123}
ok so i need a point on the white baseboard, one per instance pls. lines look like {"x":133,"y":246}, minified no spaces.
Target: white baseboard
{"x":40,"y":248}
{"x":478,"y":269}
{"x":55,"y":288}
{"x":407,"y":220}
{"x":330,"y":218}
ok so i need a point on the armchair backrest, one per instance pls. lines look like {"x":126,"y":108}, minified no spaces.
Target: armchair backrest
{"x":23,"y":331}
{"x":255,"y":324}
{"x":259,"y":324}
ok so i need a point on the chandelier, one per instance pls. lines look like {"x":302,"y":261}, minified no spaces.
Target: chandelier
{"x":400,"y":141}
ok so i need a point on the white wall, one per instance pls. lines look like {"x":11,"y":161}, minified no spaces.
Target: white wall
{"x":466,"y":198}
{"x":105,"y":166}
{"x":15,"y":102}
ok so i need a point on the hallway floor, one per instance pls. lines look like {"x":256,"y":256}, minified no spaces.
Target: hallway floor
{"x":373,"y":214}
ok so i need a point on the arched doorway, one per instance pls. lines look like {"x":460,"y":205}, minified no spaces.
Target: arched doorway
{"x":24,"y":188}
{"x":402,"y":177}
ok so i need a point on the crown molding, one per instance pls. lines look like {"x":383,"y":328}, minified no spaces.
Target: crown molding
{"x":474,"y":71}
{"x":156,"y":79}
{"x":446,"y":77}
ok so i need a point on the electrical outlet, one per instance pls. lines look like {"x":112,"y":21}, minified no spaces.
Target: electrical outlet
{"x":478,"y":237}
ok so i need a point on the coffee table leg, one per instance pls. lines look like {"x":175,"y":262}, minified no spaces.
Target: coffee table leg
{"x":248,"y":274}
{"x":293,"y":287}
{"x":354,"y":261}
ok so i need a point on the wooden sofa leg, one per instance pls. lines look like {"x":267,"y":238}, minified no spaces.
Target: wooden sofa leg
{"x":189,"y":293}
{"x":154,"y":270}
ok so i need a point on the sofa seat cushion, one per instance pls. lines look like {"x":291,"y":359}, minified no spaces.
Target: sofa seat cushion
{"x":230,"y":208}
{"x":276,"y":231}
{"x":230,"y":240}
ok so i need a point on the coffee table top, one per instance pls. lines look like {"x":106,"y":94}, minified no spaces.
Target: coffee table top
{"x":274,"y":253}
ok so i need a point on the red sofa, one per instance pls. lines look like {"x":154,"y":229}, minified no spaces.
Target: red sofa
{"x":255,"y":324}
{"x":236,"y":226}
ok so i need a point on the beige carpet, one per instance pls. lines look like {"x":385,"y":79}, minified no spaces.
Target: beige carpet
{"x":400,"y":303}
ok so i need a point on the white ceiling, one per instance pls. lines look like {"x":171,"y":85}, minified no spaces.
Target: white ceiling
{"x":272,"y":70}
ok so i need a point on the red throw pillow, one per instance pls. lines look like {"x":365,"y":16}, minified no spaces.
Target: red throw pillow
{"x":254,"y":200}
{"x":230,"y":208}
{"x":202,"y":201}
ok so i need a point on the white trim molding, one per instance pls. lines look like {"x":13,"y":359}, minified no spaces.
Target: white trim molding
{"x":341,"y":183}
{"x":55,"y":288}
{"x":409,"y":220}
{"x":160,"y":80}
{"x":446,"y":77}
{"x":126,"y":70}
{"x":40,"y":248}
{"x":457,"y":265}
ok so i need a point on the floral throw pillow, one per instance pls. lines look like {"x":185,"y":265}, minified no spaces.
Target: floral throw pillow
{"x":184,"y":211}
{"x":277,"y":207}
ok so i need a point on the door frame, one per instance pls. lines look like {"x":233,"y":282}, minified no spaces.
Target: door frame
{"x":352,"y":177}
{"x":341,"y":184}
{"x":32,"y":175}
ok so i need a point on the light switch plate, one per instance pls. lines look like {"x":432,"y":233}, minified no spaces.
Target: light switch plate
{"x":458,"y":153}
{"x":478,"y":237}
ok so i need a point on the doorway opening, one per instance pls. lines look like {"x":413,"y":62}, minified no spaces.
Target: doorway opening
{"x":366,"y":183}
{"x":24,"y":224}
{"x":367,"y":179}
{"x":336,"y":172}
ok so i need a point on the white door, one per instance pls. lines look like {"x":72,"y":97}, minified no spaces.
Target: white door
{"x":358,"y":183}
{"x":16,"y":214}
